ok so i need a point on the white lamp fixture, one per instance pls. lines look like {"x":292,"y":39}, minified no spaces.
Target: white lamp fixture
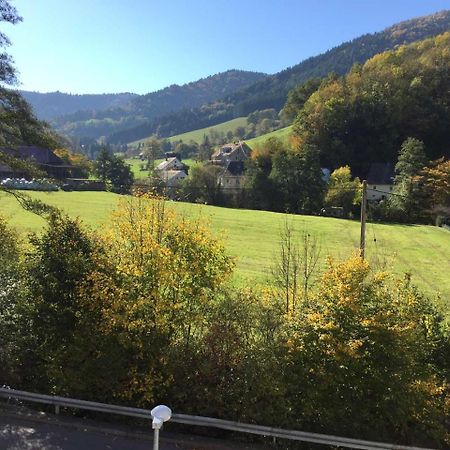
{"x":160,"y":414}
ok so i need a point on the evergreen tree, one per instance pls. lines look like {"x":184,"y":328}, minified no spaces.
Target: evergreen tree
{"x":407,"y":199}
{"x":102,"y":164}
{"x":411,"y":159}
{"x":110,"y":168}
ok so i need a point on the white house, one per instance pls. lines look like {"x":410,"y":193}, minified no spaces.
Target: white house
{"x":172,"y":178}
{"x":380,"y":181}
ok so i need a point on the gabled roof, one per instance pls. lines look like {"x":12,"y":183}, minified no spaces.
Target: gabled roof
{"x":381,"y":173}
{"x":36,"y":154}
{"x":227,"y":149}
{"x":165,"y":164}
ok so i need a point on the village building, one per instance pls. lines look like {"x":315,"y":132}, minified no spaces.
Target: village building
{"x":43,"y":158}
{"x":380,"y":181}
{"x":231,"y":157}
{"x":171,"y":171}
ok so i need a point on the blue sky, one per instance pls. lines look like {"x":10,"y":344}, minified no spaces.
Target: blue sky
{"x":98,"y":46}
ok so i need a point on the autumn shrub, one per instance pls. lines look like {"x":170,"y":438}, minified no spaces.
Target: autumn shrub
{"x":360,"y":359}
{"x":151,"y":288}
{"x":229,"y":371}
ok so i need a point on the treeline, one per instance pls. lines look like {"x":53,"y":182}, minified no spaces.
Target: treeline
{"x":285,"y":177}
{"x":142,"y":313}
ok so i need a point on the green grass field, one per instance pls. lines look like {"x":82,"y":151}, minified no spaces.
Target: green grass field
{"x":282,"y":134}
{"x":252,"y":236}
{"x":197,"y":135}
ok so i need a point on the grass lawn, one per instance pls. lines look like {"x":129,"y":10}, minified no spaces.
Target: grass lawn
{"x":252,"y":236}
{"x":197,"y":135}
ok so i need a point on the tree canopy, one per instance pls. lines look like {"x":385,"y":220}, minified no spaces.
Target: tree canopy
{"x":364,"y":116}
{"x":8,"y":13}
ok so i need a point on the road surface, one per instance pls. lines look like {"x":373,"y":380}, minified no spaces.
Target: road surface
{"x":24,"y":434}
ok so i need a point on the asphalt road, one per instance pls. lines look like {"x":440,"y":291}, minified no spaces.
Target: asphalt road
{"x":24,"y":434}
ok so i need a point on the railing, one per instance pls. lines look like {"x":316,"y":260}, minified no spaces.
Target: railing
{"x":202,"y":421}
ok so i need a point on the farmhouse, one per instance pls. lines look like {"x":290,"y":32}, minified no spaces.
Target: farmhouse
{"x":380,"y":181}
{"x":43,"y":158}
{"x":171,"y":171}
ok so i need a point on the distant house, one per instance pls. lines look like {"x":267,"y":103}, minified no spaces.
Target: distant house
{"x":380,"y":181}
{"x":43,"y":158}
{"x":171,"y":171}
{"x":231,"y":157}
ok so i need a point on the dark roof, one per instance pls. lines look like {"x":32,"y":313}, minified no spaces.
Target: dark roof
{"x":36,"y":154}
{"x":381,"y":173}
{"x":236,"y":168}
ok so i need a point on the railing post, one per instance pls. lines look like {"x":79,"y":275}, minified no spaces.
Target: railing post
{"x":56,"y":409}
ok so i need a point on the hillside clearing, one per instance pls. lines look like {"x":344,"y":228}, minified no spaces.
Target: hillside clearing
{"x":197,"y":135}
{"x":252,"y":236}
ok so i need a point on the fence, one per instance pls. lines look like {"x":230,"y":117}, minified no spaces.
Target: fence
{"x":202,"y":421}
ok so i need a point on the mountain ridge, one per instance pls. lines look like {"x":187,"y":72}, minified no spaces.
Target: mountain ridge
{"x":272,"y":91}
{"x":140,"y":118}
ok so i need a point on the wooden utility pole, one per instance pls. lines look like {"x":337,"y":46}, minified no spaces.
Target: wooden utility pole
{"x":362,"y":241}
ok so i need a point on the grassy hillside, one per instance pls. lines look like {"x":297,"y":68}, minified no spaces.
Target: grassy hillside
{"x":197,"y":135}
{"x":252,"y":236}
{"x":282,"y":133}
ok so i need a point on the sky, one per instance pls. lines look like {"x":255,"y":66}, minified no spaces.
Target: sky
{"x":110,"y":46}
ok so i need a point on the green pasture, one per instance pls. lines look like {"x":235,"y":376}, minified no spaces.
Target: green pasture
{"x":282,"y":134}
{"x":252,"y":236}
{"x":197,"y":135}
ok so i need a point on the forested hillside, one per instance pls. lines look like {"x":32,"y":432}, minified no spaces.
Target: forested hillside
{"x":95,"y":122}
{"x":365,"y":116}
{"x":50,"y":105}
{"x":271,"y":92}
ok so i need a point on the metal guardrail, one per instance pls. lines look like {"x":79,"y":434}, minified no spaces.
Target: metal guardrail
{"x":317,"y":438}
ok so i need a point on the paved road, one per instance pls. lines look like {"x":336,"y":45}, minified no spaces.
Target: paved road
{"x":24,"y":434}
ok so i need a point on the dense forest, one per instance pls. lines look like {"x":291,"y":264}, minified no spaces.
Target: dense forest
{"x":364,"y":117}
{"x":272,"y":91}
